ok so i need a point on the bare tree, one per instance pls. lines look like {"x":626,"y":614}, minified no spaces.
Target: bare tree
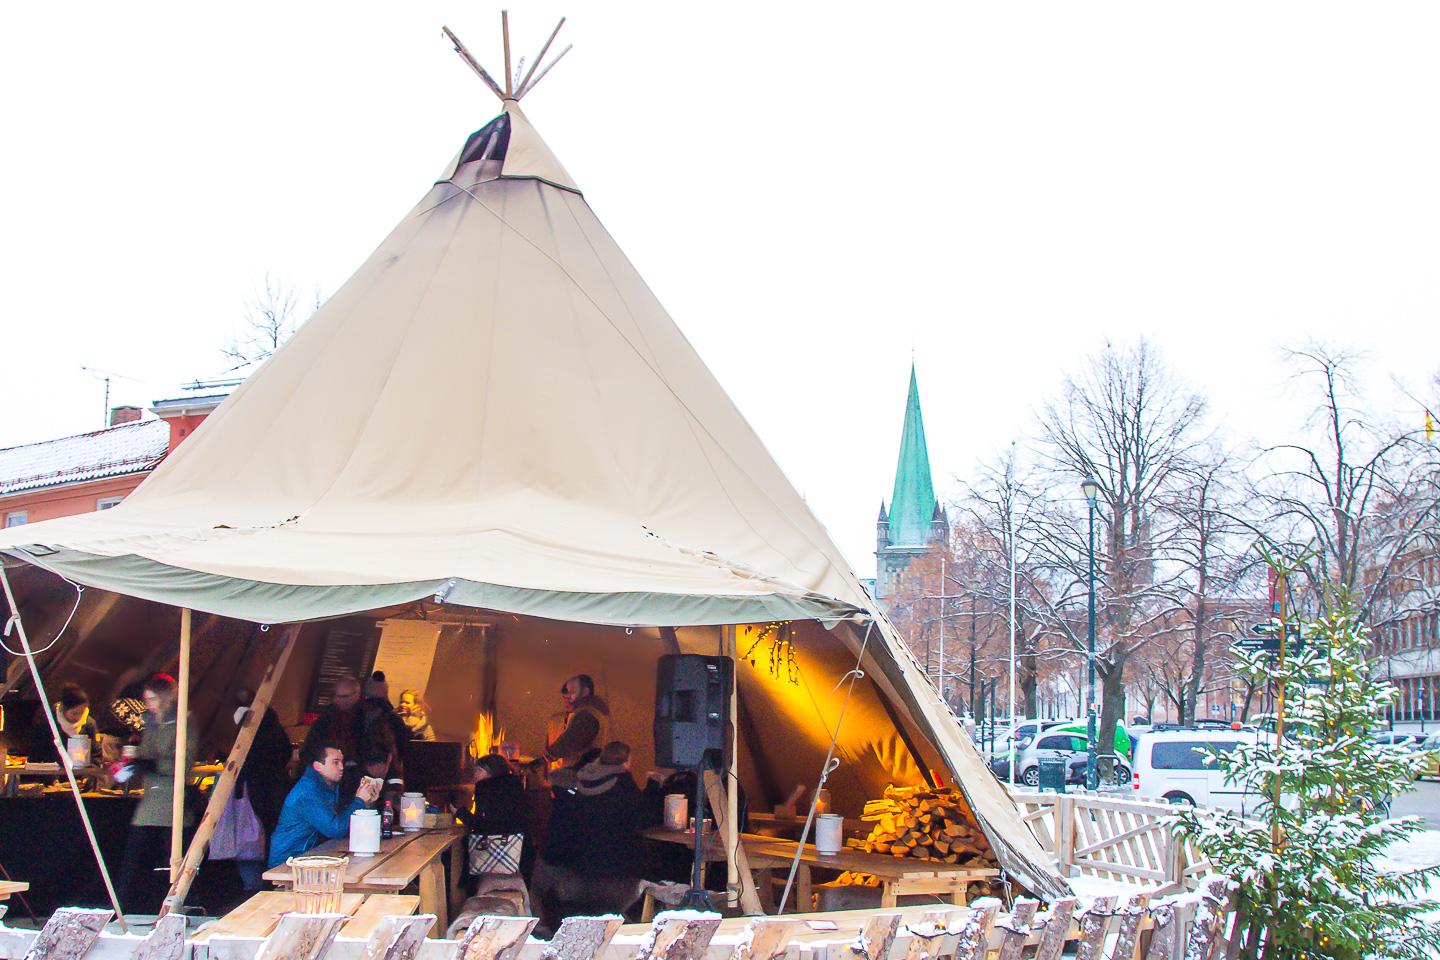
{"x":1006,"y":503}
{"x":270,"y":319}
{"x":1128,"y":424}
{"x":1358,"y":502}
{"x":1212,"y":551}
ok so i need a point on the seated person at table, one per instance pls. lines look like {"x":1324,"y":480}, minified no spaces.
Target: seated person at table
{"x":498,"y":808}
{"x":312,"y":813}
{"x":592,"y":861}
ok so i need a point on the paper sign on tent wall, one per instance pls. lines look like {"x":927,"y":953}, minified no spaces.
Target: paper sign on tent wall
{"x":406,"y":654}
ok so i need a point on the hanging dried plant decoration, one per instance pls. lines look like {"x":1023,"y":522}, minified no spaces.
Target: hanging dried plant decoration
{"x":776,"y":643}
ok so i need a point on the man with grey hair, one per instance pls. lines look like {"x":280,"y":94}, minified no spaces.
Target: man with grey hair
{"x":340,"y":724}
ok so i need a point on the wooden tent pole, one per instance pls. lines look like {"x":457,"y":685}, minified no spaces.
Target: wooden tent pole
{"x":225,"y":783}
{"x":182,"y":730}
{"x":543,"y":50}
{"x":60,"y":750}
{"x":505,"y":33}
{"x":473,"y":63}
{"x":732,"y":784}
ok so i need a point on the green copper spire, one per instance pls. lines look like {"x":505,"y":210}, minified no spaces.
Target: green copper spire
{"x":912,"y":505}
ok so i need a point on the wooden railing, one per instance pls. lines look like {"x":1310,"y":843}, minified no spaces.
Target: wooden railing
{"x":1191,"y":926}
{"x":1112,"y":838}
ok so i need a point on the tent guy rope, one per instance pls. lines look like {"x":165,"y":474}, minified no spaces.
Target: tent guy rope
{"x":60,"y":750}
{"x":831,"y":762}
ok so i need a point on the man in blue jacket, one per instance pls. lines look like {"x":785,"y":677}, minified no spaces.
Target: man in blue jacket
{"x":312,"y":810}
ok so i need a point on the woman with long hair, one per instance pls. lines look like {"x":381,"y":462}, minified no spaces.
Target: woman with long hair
{"x":143,"y":880}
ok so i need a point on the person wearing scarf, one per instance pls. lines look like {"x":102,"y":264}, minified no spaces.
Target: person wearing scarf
{"x":72,"y":716}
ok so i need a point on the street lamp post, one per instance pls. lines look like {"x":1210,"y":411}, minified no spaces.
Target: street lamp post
{"x":1092,"y":780}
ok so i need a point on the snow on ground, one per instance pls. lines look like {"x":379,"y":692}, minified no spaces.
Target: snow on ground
{"x":1415,"y":853}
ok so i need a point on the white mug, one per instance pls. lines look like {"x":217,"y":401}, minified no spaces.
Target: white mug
{"x":829,"y":833}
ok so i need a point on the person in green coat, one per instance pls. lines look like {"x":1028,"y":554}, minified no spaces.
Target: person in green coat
{"x":144,"y":873}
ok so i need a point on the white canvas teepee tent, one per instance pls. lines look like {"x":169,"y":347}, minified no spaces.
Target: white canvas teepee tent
{"x":496,"y":412}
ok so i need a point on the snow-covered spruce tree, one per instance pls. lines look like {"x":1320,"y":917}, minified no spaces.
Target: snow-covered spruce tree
{"x":1307,"y":868}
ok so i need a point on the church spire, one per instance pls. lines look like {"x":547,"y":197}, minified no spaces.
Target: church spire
{"x":912,"y":505}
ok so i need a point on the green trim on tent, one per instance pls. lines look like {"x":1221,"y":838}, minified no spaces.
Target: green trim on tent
{"x":263,"y":602}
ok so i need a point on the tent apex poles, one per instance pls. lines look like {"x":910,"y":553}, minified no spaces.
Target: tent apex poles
{"x":49,"y":712}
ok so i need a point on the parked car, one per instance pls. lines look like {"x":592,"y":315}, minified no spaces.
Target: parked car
{"x":1122,"y":736}
{"x":1411,"y":741}
{"x":1178,"y":766}
{"x":1052,"y":743}
{"x":1430,"y":747}
{"x":1023,"y":733}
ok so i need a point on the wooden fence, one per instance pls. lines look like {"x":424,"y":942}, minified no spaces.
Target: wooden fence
{"x":1112,"y":838}
{"x":1192,"y":926}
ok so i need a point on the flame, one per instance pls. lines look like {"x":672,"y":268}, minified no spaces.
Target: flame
{"x":486,"y":736}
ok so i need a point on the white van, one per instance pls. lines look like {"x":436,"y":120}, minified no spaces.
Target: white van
{"x":1175,"y":765}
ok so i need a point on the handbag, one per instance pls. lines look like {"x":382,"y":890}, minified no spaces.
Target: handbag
{"x":238,"y":833}
{"x":494,"y":853}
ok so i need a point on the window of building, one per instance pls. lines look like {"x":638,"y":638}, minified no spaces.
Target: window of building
{"x":17,"y":518}
{"x":105,"y":503}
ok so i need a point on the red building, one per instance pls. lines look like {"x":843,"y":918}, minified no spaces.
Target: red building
{"x":96,"y":470}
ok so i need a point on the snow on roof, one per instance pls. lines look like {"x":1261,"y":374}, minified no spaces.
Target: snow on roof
{"x":112,"y":452}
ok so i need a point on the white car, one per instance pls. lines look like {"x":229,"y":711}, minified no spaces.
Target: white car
{"x":1176,"y":766}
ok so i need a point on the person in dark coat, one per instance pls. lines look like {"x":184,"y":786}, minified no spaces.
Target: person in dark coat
{"x":265,"y":776}
{"x":593,"y":861}
{"x":499,"y":805}
{"x":379,"y":723}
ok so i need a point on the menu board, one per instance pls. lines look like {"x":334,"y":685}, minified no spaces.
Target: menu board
{"x":406,"y":654}
{"x":349,"y":652}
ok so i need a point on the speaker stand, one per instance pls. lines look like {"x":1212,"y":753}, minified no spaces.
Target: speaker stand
{"x":698,"y":898}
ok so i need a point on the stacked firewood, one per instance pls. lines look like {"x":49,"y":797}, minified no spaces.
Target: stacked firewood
{"x":925,"y":824}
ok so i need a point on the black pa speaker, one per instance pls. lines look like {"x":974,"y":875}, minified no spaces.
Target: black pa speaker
{"x":692,"y":709}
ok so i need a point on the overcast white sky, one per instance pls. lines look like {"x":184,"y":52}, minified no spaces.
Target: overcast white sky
{"x":813,"y":190}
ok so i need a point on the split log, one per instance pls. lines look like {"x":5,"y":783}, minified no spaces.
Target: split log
{"x":302,"y":936}
{"x":398,"y":938}
{"x":1094,"y":925}
{"x":1165,"y":933}
{"x":764,"y":939}
{"x":1015,"y":930}
{"x":1129,"y":933}
{"x":69,"y":934}
{"x":927,"y":938}
{"x":877,"y":936}
{"x":581,"y":938}
{"x":494,"y":938}
{"x":166,"y":941}
{"x":974,"y":934}
{"x":1057,"y":928}
{"x":1215,"y":902}
{"x":679,"y":936}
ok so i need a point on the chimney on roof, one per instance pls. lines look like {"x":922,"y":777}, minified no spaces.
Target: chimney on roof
{"x":119,"y":415}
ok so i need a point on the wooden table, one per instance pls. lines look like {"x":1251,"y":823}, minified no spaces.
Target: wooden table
{"x":899,"y":876}
{"x":258,"y":916}
{"x":9,"y":888}
{"x":403,"y":859}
